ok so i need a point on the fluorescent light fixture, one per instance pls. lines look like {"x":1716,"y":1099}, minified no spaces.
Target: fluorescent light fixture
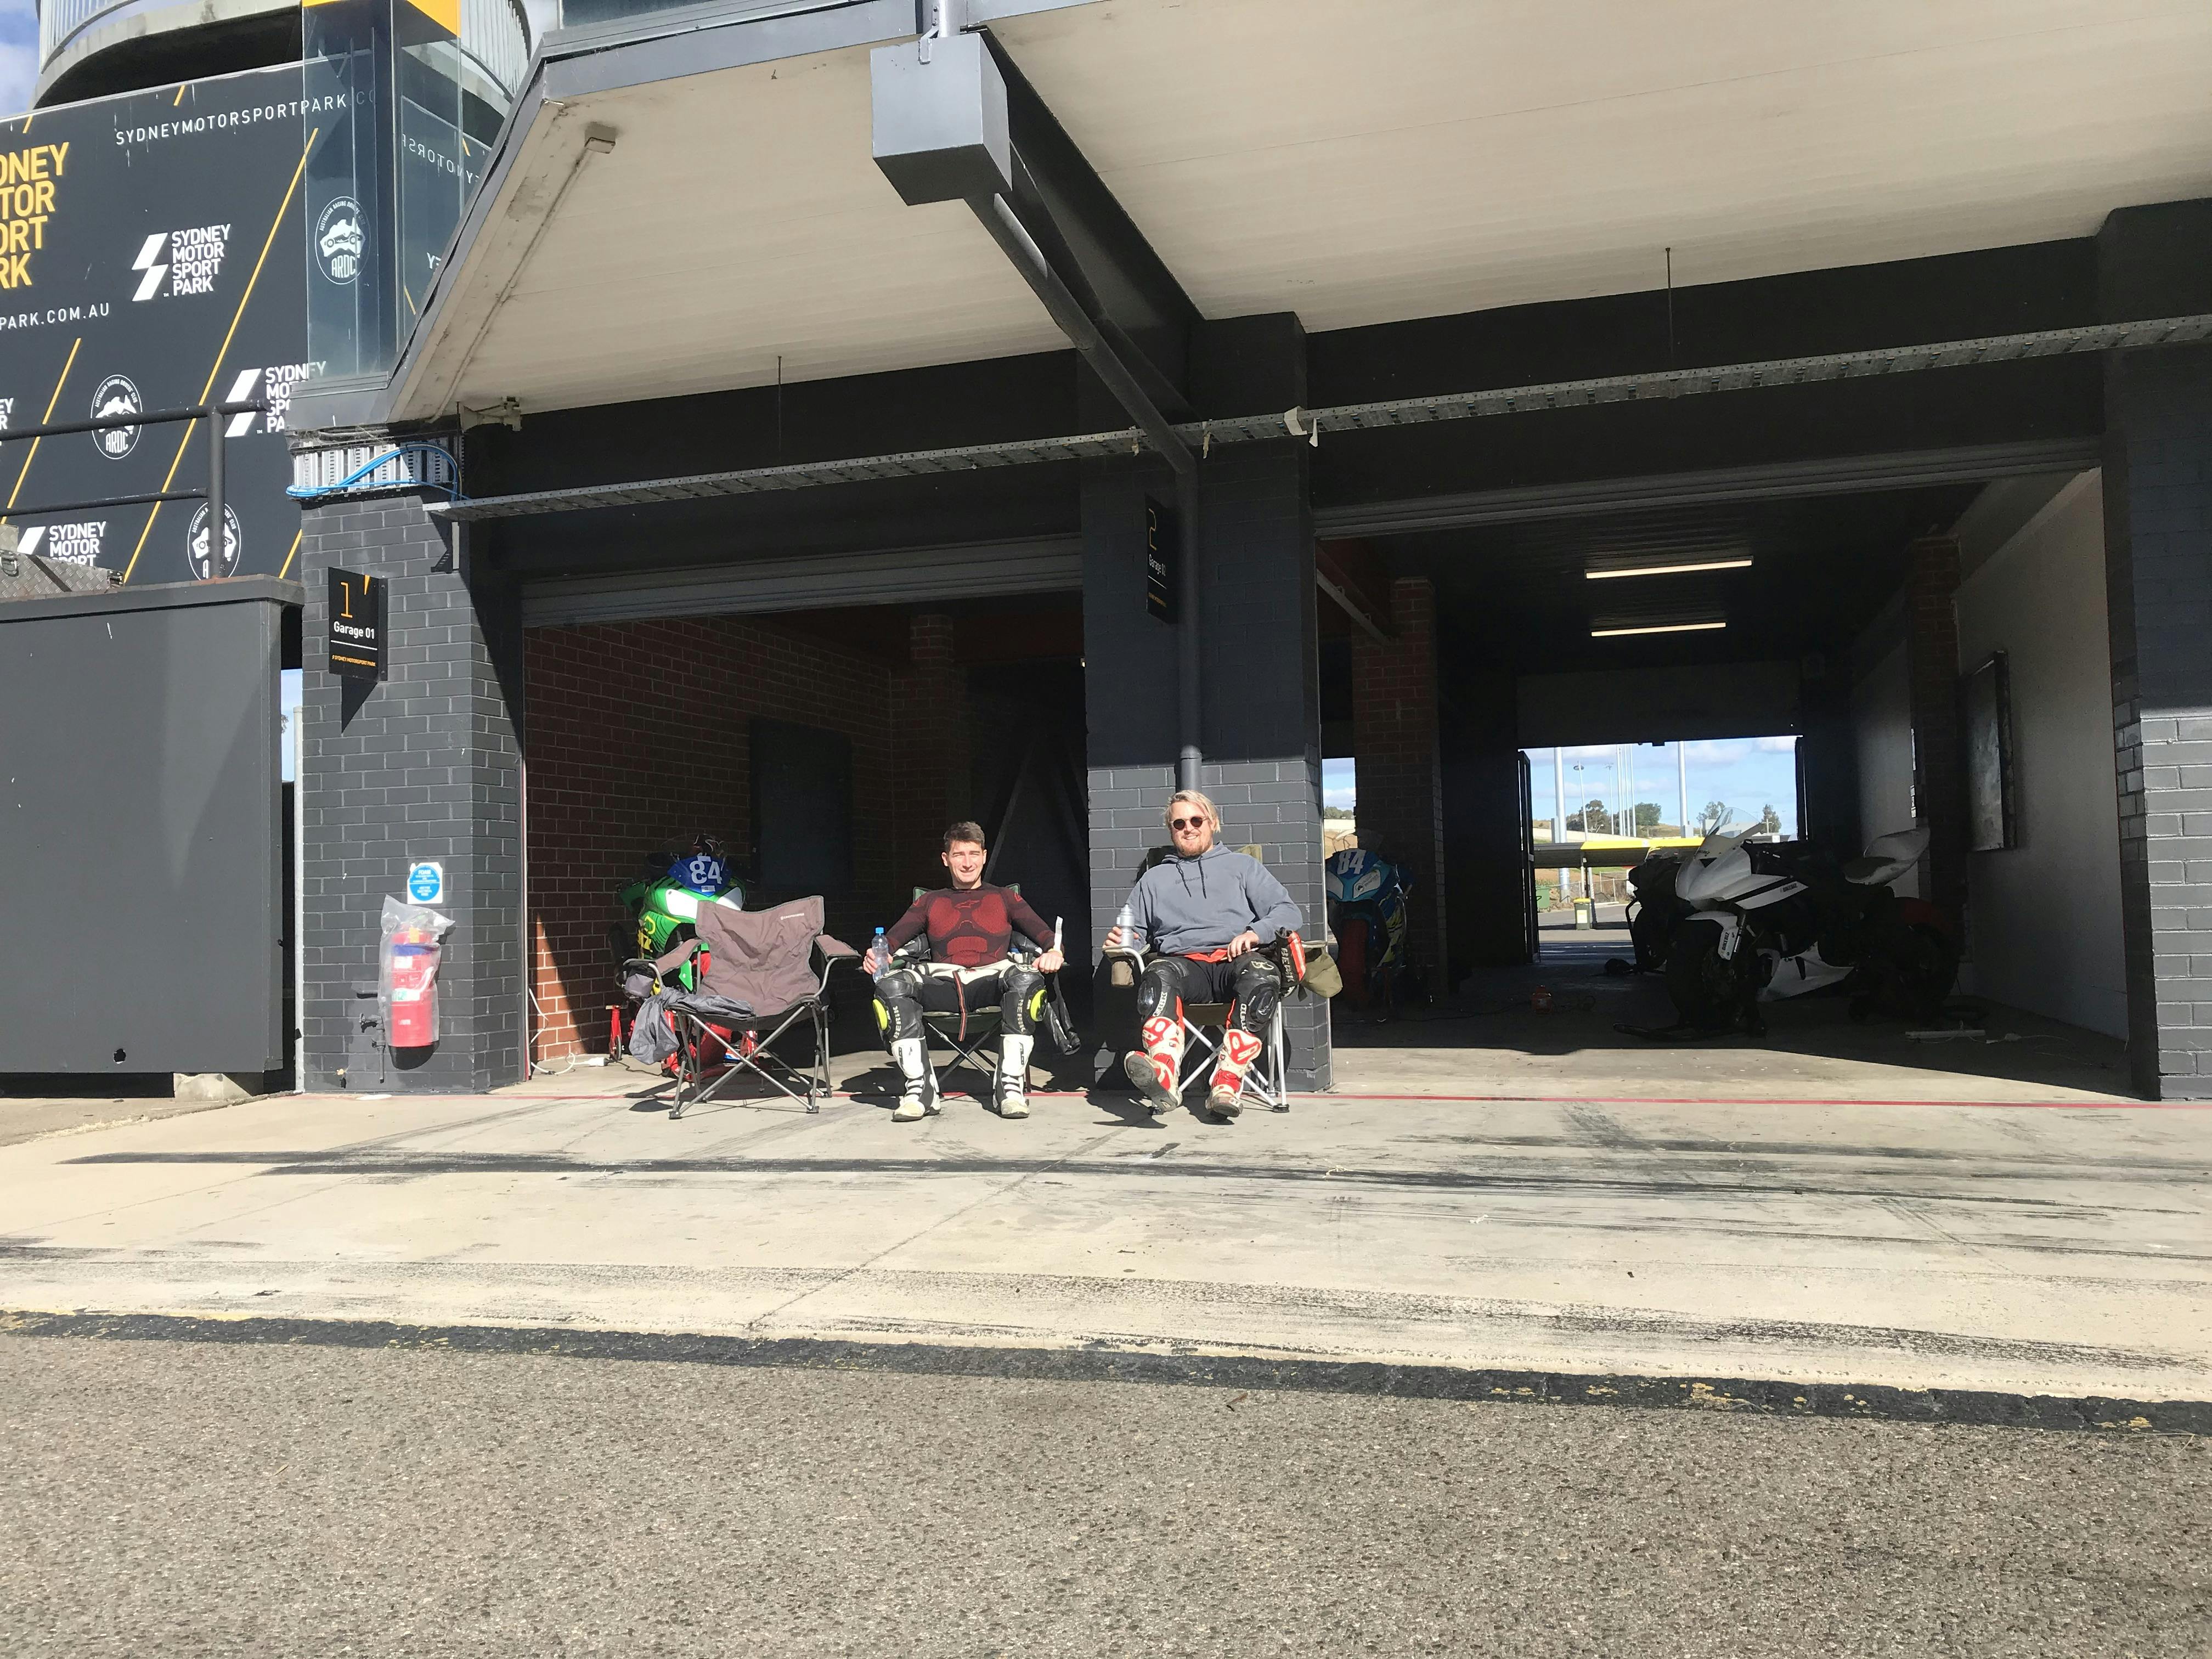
{"x":1657,"y":628}
{"x":1668,"y":569}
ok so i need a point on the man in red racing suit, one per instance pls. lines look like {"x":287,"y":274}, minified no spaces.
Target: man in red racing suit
{"x":970,"y":924}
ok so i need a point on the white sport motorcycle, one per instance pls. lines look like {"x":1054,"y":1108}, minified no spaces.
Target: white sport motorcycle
{"x":1780,"y":918}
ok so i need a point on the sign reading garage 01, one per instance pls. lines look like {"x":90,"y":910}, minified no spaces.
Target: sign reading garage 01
{"x":357,"y":614}
{"x":150,"y":258}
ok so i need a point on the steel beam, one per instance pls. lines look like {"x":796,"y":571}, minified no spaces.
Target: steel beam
{"x":1410,"y":411}
{"x":1776,"y":481}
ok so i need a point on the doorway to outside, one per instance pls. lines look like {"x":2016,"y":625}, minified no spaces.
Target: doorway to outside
{"x":1596,"y":810}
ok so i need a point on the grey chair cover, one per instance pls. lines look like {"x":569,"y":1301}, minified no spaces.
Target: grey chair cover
{"x":764,"y":958}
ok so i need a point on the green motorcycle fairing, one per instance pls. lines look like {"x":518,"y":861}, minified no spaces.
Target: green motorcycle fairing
{"x":667,"y":913}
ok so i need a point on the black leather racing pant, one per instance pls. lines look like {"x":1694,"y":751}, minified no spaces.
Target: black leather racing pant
{"x":902,"y":995}
{"x":1251,"y":981}
{"x":1172,"y":984}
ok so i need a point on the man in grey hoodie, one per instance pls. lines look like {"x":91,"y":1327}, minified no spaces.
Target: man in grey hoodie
{"x":1206,"y":911}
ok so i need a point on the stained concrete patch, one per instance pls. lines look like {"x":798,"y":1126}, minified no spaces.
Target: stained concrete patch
{"x":1101,"y":1364}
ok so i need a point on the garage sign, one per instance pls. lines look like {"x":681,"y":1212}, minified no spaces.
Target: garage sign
{"x":357,"y":626}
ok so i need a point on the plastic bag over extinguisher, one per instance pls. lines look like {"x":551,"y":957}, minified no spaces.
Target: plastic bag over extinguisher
{"x":407,"y":974}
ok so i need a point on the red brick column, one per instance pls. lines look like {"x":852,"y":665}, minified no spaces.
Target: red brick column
{"x":1939,"y":783}
{"x":1393,"y":719}
{"x":929,"y":719}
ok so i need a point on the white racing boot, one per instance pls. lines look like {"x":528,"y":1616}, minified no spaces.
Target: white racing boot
{"x":917,"y":1097}
{"x":1156,"y":1068}
{"x":1238,"y":1050}
{"x":1014,"y":1075}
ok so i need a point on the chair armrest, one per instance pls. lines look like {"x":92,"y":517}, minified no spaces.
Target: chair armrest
{"x":664,"y":966}
{"x":832,"y":950}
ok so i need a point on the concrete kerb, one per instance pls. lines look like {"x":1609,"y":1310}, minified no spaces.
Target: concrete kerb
{"x":1249,"y":1373}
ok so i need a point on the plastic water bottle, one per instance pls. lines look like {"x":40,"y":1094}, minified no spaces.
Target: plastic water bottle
{"x":878,"y":956}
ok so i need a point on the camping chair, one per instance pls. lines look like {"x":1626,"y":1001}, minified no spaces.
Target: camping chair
{"x":1204,"y":1023}
{"x":763,"y":972}
{"x":973,"y":1037}
{"x":1267,"y":1078}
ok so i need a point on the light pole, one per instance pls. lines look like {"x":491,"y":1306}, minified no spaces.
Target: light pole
{"x":1567,"y":874}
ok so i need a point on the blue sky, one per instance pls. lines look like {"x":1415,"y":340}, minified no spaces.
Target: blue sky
{"x":19,"y":55}
{"x":1747,"y":772}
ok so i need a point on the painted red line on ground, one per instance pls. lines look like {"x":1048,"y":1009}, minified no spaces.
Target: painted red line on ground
{"x":1780,"y":1100}
{"x":1530,"y":1100}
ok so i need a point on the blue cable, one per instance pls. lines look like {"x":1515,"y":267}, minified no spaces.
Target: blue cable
{"x":309,"y":492}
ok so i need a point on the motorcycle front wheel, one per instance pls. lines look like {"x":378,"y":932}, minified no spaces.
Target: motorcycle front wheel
{"x":1649,"y":933}
{"x":1703,"y":985}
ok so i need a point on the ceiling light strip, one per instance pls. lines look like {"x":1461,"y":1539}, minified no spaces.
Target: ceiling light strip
{"x":1668,"y":569}
{"x":1656,"y":628}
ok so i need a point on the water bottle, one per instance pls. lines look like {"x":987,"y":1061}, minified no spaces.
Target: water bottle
{"x":1127,"y":954}
{"x":878,"y":956}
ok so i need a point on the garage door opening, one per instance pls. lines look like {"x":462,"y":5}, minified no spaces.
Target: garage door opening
{"x":1794,"y":665}
{"x":1602,"y":808}
{"x":824,"y":750}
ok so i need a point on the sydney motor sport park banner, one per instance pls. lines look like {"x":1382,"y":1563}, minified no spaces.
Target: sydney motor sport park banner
{"x":151,"y":257}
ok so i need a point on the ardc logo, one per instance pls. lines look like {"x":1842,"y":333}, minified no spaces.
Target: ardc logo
{"x":339,"y":239}
{"x":117,"y":395}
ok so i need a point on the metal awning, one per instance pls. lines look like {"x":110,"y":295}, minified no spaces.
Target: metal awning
{"x":1310,"y":424}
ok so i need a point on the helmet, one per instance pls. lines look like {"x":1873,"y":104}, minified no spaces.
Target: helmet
{"x":703,"y":869}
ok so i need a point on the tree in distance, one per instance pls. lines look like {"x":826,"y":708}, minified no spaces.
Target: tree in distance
{"x":1595,"y":819}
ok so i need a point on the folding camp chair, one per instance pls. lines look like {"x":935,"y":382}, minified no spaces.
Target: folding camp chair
{"x":1267,"y":1078}
{"x":972,"y":1036}
{"x":762,"y":972}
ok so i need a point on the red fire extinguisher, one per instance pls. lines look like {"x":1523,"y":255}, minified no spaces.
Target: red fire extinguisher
{"x":412,"y":967}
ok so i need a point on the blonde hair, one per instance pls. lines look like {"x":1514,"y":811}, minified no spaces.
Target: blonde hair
{"x":1203,"y":803}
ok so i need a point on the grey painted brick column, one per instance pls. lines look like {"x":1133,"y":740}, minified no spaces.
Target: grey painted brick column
{"x":2158,"y":550}
{"x":426,"y":765}
{"x":1261,"y":692}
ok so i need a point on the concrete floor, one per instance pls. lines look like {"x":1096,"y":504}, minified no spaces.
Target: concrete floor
{"x":1488,"y":1187}
{"x":1488,"y":1041}
{"x":2054,"y":1248}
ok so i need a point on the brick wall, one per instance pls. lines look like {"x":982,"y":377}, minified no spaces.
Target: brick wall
{"x":422,"y":766}
{"x":1261,"y":695}
{"x":2158,"y":543}
{"x":1393,"y":719}
{"x":929,"y":703}
{"x":640,"y":739}
{"x":2156,"y":261}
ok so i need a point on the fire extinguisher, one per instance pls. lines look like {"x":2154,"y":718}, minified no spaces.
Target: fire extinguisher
{"x":412,"y":968}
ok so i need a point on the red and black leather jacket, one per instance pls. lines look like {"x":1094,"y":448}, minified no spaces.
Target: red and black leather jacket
{"x":969,"y":927}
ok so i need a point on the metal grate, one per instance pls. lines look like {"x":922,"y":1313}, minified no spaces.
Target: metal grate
{"x":1311,"y":423}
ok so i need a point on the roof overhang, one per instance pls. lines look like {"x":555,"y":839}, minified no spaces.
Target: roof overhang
{"x":1356,"y":165}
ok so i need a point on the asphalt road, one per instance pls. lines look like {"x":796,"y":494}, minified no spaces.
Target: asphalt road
{"x":180,"y":1499}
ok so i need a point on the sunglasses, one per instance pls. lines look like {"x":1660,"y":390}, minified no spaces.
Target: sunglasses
{"x":1186,"y":823}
